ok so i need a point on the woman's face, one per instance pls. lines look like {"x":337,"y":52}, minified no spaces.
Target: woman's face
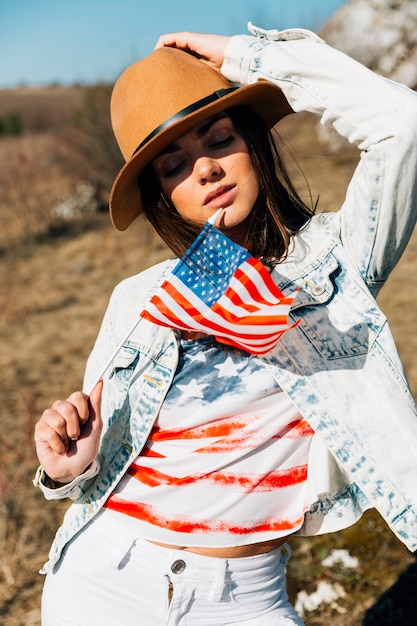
{"x":208,"y":168}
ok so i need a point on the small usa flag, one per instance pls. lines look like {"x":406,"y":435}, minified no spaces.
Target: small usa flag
{"x":219,"y":289}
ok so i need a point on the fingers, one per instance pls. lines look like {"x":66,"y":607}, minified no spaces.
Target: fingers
{"x":60,"y":425}
{"x":64,"y":421}
{"x":174,"y":40}
{"x":94,"y":401}
{"x":94,"y":404}
{"x":209,"y":48}
{"x":67,"y":436}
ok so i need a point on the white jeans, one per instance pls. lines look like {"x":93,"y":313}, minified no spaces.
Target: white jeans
{"x":109,"y":579}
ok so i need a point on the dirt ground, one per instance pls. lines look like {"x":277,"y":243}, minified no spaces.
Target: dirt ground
{"x":53,"y":292}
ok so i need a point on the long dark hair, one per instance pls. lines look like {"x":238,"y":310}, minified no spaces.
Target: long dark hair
{"x":278,"y":212}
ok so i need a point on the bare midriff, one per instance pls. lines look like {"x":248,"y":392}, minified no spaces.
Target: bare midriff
{"x":235,"y":552}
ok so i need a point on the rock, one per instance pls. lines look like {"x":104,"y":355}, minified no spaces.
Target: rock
{"x":381,"y":34}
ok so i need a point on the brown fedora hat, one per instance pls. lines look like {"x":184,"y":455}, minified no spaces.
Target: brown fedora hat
{"x":159,"y":98}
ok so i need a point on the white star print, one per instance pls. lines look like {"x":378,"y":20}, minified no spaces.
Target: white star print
{"x":193,"y":389}
{"x":199,"y":356}
{"x":227,"y":368}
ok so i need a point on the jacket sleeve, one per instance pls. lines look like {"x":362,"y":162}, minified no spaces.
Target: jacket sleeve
{"x":372,"y":112}
{"x":121,"y":319}
{"x":73,"y":490}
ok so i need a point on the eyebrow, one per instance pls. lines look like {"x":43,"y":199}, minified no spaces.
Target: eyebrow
{"x":201,"y":131}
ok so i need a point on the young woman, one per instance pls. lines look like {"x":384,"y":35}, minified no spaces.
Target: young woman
{"x":191,"y":462}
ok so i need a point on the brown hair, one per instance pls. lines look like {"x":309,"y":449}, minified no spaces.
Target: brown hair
{"x":278,"y":212}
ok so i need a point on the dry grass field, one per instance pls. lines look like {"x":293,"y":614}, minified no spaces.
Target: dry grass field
{"x":55,"y":281}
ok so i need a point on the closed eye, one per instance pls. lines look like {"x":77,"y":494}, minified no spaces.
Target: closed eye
{"x":222,"y":142}
{"x":169,"y":170}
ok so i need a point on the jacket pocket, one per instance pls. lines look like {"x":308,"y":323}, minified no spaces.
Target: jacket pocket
{"x":330,"y":339}
{"x":124,"y":366}
{"x":337,"y":315}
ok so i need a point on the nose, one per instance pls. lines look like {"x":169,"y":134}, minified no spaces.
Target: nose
{"x":207,"y":169}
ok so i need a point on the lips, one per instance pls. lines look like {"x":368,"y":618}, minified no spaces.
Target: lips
{"x":220,"y":195}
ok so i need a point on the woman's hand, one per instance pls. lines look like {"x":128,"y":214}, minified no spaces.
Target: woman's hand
{"x":208,"y":48}
{"x":68,"y":434}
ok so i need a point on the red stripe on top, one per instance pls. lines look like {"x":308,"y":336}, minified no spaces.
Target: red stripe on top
{"x":149,"y":514}
{"x":151,"y":453}
{"x":228,"y":426}
{"x":246,"y":482}
{"x":222,"y":428}
{"x":248,"y":439}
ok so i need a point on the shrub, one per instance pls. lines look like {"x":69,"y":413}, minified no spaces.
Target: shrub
{"x":11,"y":124}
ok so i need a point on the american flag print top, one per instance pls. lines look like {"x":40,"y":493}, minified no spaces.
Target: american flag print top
{"x":218,"y":288}
{"x":226,"y":463}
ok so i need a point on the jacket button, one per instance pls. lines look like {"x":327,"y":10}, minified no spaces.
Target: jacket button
{"x":318,"y":290}
{"x":178,"y":566}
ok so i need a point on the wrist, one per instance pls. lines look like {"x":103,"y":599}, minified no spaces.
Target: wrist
{"x":61,"y":481}
{"x":54,"y":490}
{"x":43,"y":479}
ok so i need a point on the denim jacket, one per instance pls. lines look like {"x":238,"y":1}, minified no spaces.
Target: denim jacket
{"x":339,"y":364}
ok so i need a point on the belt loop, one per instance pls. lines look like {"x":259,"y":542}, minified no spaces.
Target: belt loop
{"x":121,"y":552}
{"x":219,"y":582}
{"x":285,"y":554}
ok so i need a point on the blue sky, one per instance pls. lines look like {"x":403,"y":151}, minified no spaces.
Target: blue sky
{"x":86,"y":41}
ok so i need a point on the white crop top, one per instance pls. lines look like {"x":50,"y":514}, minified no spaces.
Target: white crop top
{"x":227,"y":461}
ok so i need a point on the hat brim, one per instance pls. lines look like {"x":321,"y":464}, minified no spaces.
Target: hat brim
{"x":263,"y":97}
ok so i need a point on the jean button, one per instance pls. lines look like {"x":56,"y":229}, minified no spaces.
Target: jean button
{"x":178,"y":566}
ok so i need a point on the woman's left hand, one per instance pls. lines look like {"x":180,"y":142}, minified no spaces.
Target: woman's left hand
{"x":208,"y":48}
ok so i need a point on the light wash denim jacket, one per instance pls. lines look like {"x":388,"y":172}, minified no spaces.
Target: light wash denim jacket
{"x":339,"y":365}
